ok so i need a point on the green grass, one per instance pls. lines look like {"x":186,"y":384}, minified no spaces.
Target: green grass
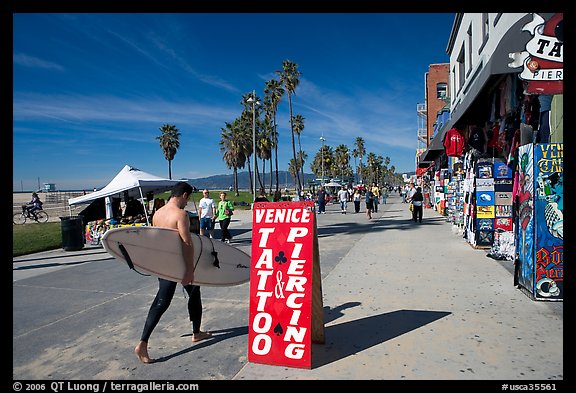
{"x":35,"y":237}
{"x":244,"y":196}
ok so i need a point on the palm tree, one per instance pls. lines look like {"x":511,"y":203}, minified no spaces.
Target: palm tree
{"x":371,"y":163}
{"x":289,"y":79}
{"x":293,"y":170}
{"x":386,"y":170}
{"x":342,"y":159}
{"x":247,"y":120}
{"x":264,"y":149}
{"x":359,"y":151}
{"x":298,"y":124}
{"x":302,"y":156}
{"x":324,"y":154}
{"x":231,"y":146}
{"x":273,"y":94}
{"x":169,"y":143}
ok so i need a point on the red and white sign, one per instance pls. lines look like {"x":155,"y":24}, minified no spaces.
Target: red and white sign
{"x":279,"y":329}
{"x":543,"y":61}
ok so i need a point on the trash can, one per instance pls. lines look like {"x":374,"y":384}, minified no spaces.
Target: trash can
{"x":72,"y":233}
{"x":194,"y":222}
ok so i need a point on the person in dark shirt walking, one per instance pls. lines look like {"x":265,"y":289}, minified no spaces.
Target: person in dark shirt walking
{"x":417,"y":201}
{"x":322,"y":200}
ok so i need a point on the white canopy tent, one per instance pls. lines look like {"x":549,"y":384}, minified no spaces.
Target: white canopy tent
{"x":129,"y":181}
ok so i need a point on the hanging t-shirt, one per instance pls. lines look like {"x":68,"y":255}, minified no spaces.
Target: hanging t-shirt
{"x":454,"y":143}
{"x":477,"y":139}
{"x":493,"y":137}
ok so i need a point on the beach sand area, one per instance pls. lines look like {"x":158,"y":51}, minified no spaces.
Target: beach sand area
{"x":55,"y":209}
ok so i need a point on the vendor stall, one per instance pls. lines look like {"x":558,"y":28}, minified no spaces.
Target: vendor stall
{"x":129,"y":183}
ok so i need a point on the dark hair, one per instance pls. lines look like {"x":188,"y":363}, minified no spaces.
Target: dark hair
{"x":180,"y":188}
{"x":419,"y":189}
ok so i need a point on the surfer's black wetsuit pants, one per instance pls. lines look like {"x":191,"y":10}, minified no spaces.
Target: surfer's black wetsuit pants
{"x":162,"y":301}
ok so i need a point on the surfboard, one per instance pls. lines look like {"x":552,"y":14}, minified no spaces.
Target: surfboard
{"x":158,"y":251}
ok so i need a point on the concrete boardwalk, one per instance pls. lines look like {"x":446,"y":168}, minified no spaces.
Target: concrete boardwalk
{"x":402,"y":301}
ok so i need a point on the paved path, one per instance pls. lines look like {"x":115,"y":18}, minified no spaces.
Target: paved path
{"x":402,"y":301}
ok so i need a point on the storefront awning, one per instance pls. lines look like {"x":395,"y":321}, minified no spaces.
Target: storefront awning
{"x":422,"y":170}
{"x":474,"y":100}
{"x":425,"y":164}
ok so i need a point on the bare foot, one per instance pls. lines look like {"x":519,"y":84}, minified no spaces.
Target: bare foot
{"x":142,"y":352}
{"x":200,"y":336}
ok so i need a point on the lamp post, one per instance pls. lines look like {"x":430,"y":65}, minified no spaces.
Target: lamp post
{"x":252,"y":100}
{"x":322,"y":139}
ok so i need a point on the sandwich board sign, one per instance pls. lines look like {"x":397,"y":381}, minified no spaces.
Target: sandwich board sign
{"x":286,"y":310}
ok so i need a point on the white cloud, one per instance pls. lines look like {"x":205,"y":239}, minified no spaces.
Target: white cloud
{"x":34,"y":62}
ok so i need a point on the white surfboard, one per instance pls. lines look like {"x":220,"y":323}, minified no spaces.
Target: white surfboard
{"x":158,"y":251}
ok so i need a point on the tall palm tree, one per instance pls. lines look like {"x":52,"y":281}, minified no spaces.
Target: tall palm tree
{"x":371,"y":163}
{"x":273,"y":92}
{"x":298,"y":124}
{"x":342,"y":159}
{"x":289,"y":79}
{"x":359,"y":151}
{"x":264,"y":149}
{"x":247,"y":120}
{"x":324,"y":155}
{"x":231,"y":146}
{"x":293,"y":170}
{"x":302,"y":156}
{"x":169,"y":143}
{"x":379,"y":168}
{"x":386,"y":170}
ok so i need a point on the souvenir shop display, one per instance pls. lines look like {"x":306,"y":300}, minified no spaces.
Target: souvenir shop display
{"x":540,"y":231}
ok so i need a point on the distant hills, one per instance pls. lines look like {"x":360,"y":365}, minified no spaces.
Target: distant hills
{"x":224,"y":181}
{"x":221,"y":182}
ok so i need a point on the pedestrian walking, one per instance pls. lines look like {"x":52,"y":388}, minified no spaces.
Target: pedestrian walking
{"x":376,"y":192}
{"x":369,"y":198}
{"x":224,"y":215}
{"x":417,"y":202}
{"x":322,"y":194}
{"x":343,"y":199}
{"x":207,"y":213}
{"x":357,"y":198}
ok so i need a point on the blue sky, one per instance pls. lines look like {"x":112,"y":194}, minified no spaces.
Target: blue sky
{"x":91,"y":90}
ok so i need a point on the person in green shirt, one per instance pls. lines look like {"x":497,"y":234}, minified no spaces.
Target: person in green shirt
{"x":223,"y":214}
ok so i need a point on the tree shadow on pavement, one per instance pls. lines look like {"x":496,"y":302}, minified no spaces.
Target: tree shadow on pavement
{"x":375,"y":225}
{"x":349,"y":338}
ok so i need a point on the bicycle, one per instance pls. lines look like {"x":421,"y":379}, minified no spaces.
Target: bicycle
{"x":21,"y":218}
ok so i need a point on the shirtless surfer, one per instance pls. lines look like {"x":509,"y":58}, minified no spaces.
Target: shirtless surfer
{"x":172,"y":215}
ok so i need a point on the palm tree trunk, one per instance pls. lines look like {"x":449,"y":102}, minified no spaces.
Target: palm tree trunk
{"x":236,"y":182}
{"x":301,"y":161}
{"x":276,"y":155}
{"x":250,"y":177}
{"x":271,"y":175}
{"x":293,"y":143}
{"x":257,"y":173}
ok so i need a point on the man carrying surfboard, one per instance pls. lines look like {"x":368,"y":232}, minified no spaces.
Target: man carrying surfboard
{"x":172,"y":215}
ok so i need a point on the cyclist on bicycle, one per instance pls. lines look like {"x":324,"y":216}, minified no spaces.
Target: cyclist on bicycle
{"x":31,"y":207}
